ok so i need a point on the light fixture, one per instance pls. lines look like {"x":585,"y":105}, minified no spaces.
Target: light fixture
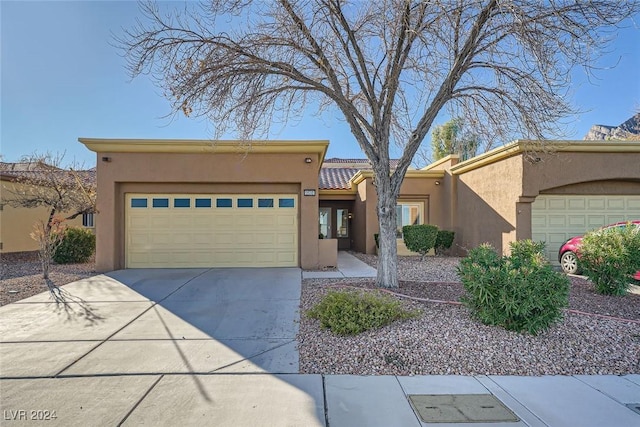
{"x":106,"y":159}
{"x":437,"y":182}
{"x":350,"y":216}
{"x":307,"y":160}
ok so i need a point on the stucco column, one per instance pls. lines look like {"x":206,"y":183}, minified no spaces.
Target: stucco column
{"x":523,"y":218}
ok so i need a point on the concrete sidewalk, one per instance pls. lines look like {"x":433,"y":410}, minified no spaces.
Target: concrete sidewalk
{"x":311,"y":400}
{"x":348,"y":266}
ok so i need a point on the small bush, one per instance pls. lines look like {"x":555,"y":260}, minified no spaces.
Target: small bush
{"x":78,"y":244}
{"x":444,"y":240}
{"x":610,"y":257}
{"x":375,"y":237}
{"x":520,"y":292}
{"x":420,"y":238}
{"x":353,"y":312}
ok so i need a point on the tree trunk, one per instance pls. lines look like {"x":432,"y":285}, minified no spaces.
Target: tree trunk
{"x":388,"y":255}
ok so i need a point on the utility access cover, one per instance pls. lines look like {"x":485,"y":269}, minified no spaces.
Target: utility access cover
{"x":460,"y":408}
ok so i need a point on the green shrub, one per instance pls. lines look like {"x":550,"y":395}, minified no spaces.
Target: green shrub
{"x":444,"y":240}
{"x":420,"y":238}
{"x":520,"y":292}
{"x":353,"y":312}
{"x":78,"y":245}
{"x":375,"y":237}
{"x":610,"y":257}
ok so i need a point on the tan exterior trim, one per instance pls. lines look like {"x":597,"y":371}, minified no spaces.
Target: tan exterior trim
{"x":439,"y":163}
{"x":521,"y":146}
{"x":350,"y":192}
{"x":186,"y":146}
{"x":362,"y":175}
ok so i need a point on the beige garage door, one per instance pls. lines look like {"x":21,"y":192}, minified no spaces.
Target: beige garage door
{"x":205,"y":230}
{"x":554,"y":219}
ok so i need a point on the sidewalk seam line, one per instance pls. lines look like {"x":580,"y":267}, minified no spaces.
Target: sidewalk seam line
{"x":153,"y":304}
{"x":525,"y":407}
{"x":326,"y":404}
{"x":140,"y":400}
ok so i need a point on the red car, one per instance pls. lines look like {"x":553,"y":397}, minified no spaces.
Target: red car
{"x":568,"y":255}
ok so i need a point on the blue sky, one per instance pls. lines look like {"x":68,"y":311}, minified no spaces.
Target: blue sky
{"x":61,"y":79}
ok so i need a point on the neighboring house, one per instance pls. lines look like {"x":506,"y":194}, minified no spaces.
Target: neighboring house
{"x":186,"y":203}
{"x":16,"y":223}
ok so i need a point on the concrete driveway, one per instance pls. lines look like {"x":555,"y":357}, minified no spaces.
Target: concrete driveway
{"x":137,"y":345}
{"x":157,"y":321}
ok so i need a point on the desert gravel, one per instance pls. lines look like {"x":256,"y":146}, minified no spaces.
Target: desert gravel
{"x":446,"y":340}
{"x":21,"y":277}
{"x":443,"y":340}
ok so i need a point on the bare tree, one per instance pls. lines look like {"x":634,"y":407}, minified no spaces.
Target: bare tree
{"x":387,"y":66}
{"x":65,"y":193}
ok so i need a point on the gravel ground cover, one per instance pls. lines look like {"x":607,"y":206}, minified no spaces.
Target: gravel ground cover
{"x":446,"y":340}
{"x":21,"y":277}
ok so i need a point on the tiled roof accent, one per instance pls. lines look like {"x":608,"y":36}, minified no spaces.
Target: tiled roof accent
{"x":37,"y":172}
{"x":335,"y":172}
{"x":361,"y":164}
{"x":336,"y":178}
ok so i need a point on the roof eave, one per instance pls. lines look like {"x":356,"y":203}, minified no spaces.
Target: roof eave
{"x":525,"y":145}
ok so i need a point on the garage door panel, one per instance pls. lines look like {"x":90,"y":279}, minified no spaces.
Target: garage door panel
{"x":556,"y":218}
{"x":183,"y":231}
{"x":245,"y":238}
{"x":556,"y":204}
{"x":597,"y":204}
{"x":576,"y":204}
{"x":266,"y":220}
{"x":265,"y":239}
{"x":557,"y":221}
{"x":223,"y":239}
{"x":616,"y":204}
{"x":576,"y":221}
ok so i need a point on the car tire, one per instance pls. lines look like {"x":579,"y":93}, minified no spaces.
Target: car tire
{"x":569,"y":263}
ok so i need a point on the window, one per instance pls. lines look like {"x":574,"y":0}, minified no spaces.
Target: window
{"x":408,"y":213}
{"x":286,"y":203}
{"x":265,"y":203}
{"x":160,"y":203}
{"x":87,"y":220}
{"x":138,"y":203}
{"x":245,"y":203}
{"x":203,"y":203}
{"x":325,"y":223}
{"x":342,"y":223}
{"x":224,"y":203}
{"x":181,"y":203}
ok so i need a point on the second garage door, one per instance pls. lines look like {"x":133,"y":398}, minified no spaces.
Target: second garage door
{"x":205,"y":230}
{"x":555,"y":218}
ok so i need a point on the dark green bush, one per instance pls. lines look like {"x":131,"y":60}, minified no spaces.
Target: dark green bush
{"x":444,"y":240}
{"x":353,"y":312}
{"x":420,"y":238}
{"x":520,"y":292}
{"x":78,"y":245}
{"x":375,"y":237}
{"x":610,"y":257}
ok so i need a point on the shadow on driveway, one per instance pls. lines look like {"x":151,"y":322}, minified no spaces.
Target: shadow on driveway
{"x":161,"y":324}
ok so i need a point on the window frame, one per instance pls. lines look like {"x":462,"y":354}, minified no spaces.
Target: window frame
{"x":408,"y":202}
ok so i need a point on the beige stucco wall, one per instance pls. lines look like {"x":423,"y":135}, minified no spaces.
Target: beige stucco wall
{"x":206,"y":173}
{"x":16,"y":224}
{"x":494,"y":201}
{"x":588,"y":169}
{"x":486,"y":210}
